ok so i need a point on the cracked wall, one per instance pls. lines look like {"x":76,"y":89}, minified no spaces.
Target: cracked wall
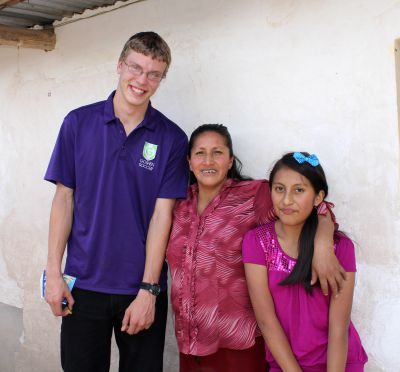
{"x":11,"y":330}
{"x":282,"y":74}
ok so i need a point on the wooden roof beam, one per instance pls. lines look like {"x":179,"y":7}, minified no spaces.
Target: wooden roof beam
{"x":28,"y":38}
{"x":4,"y":3}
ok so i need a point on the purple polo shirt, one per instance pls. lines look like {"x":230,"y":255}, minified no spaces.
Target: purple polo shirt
{"x":116,"y":181}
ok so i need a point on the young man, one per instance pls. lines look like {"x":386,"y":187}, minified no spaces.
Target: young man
{"x":118,"y":165}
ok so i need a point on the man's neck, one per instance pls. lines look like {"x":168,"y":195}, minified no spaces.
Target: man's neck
{"x":130,"y":116}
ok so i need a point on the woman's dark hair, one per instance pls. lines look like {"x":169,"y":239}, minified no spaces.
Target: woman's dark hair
{"x":235,"y":171}
{"x":301,"y":272}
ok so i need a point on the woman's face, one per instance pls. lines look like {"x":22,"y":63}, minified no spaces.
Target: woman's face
{"x":210,"y":160}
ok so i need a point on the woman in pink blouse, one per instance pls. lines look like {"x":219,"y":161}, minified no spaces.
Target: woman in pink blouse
{"x":215,"y":325}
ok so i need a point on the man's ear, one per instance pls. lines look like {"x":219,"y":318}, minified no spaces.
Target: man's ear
{"x":119,"y":66}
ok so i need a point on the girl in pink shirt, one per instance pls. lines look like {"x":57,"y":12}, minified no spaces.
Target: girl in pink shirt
{"x":303,"y":329}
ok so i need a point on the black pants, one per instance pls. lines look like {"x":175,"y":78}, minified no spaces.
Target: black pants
{"x":86,"y":335}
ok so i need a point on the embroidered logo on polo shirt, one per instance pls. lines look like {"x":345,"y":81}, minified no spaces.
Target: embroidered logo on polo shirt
{"x":149,"y":153}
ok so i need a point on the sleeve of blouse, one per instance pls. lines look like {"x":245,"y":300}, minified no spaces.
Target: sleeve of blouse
{"x":252,"y":250}
{"x":263,"y":204}
{"x":346,"y":254}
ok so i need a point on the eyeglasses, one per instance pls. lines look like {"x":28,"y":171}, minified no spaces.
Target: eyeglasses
{"x":136,"y":70}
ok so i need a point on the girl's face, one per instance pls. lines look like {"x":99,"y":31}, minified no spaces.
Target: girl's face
{"x":210,"y":160}
{"x":293,"y":197}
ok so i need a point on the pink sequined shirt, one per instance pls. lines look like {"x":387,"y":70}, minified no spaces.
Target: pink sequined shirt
{"x":209,"y":292}
{"x":304,"y":317}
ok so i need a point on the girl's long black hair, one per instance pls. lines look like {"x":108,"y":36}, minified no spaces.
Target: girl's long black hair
{"x":301,"y":272}
{"x":236,"y":170}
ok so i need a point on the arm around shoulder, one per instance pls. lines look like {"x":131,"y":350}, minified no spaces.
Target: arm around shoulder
{"x":325,"y":265}
{"x":263,"y":203}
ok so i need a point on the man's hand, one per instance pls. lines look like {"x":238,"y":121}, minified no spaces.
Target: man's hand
{"x":56,"y":291}
{"x":326,"y":268}
{"x":140,"y":313}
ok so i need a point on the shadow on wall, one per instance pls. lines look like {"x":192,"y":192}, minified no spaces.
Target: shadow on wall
{"x":10,"y":330}
{"x":397,"y":62}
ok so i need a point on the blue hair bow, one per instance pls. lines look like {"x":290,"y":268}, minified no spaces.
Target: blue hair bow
{"x":300,"y":158}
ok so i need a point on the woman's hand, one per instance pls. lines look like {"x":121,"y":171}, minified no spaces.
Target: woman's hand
{"x":325,"y":266}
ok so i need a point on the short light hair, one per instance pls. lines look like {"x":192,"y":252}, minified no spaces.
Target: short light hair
{"x":150,"y":44}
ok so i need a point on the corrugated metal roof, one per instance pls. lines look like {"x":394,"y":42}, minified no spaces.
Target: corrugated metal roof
{"x":29,"y":13}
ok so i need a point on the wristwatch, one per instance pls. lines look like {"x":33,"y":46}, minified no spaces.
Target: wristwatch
{"x":154,"y":288}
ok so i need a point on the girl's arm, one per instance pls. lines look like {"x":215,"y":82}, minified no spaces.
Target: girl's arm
{"x":263,"y":305}
{"x":339,"y":319}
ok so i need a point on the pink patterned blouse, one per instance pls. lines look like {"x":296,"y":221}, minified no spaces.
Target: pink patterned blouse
{"x":209,"y":293}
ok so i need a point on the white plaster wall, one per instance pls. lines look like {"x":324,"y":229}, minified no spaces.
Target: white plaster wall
{"x":282,"y":74}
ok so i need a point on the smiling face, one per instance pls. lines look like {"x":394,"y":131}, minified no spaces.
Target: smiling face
{"x":210,"y":161}
{"x":135,"y":91}
{"x":293,"y":197}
